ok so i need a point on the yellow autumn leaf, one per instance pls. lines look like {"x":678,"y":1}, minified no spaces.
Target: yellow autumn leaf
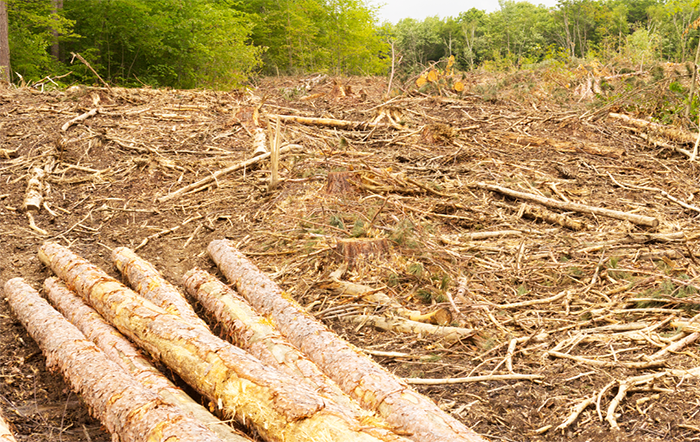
{"x":433,"y":76}
{"x":450,"y":62}
{"x":421,"y":81}
{"x":458,"y":86}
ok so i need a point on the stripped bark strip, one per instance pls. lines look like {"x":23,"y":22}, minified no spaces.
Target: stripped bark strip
{"x":375,"y":388}
{"x":121,"y":351}
{"x":255,"y":334}
{"x":641,"y":220}
{"x":147,"y":281}
{"x":129,"y":411}
{"x":278,"y":408}
{"x":5,"y":433}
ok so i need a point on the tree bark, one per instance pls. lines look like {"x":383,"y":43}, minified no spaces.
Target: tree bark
{"x":375,"y":388}
{"x":122,"y":352}
{"x":252,"y":332}
{"x":4,"y":44}
{"x":148,"y":282}
{"x":278,"y":408}
{"x":128,"y":410}
{"x":55,"y":47}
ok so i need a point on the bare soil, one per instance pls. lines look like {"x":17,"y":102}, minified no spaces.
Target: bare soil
{"x":413,"y":182}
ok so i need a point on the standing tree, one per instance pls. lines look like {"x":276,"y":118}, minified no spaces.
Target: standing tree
{"x":4,"y":44}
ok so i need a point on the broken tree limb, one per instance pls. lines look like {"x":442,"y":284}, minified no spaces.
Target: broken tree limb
{"x":329,"y":122}
{"x":128,"y":410}
{"x":216,"y":175}
{"x":449,"y":335}
{"x":78,"y":119}
{"x":440,"y":316}
{"x":5,"y":433}
{"x":34,"y":195}
{"x":374,"y":387}
{"x":275,"y":406}
{"x":575,"y":207}
{"x":121,"y":351}
{"x":147,"y":281}
{"x":671,"y":132}
{"x":255,"y":334}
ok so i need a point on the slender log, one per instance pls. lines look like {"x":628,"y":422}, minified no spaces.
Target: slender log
{"x":255,"y":334}
{"x":329,"y":122}
{"x":149,"y":283}
{"x":449,"y":335}
{"x":5,"y":433}
{"x":671,"y":132}
{"x":278,"y":408}
{"x":575,"y":207}
{"x":216,"y":175}
{"x":122,"y":352}
{"x":128,"y":410}
{"x":78,"y":119}
{"x":374,"y":387}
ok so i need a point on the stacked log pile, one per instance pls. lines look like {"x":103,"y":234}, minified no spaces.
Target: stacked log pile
{"x":275,"y":380}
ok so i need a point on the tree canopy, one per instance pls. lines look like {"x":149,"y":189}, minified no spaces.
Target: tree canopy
{"x":222,"y":43}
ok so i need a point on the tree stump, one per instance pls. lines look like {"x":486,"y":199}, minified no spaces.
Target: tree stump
{"x":353,"y":249}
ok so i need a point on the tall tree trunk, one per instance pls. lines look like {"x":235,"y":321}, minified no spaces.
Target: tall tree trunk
{"x":374,"y":387}
{"x":55,"y":48}
{"x":4,"y":44}
{"x":277,"y":407}
{"x":125,"y":407}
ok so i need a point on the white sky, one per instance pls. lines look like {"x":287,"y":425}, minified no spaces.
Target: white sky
{"x":395,"y":10}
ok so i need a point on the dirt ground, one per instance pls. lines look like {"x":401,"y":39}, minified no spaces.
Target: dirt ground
{"x":417,"y":184}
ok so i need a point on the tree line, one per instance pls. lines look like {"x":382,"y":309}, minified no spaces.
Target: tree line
{"x":222,"y":43}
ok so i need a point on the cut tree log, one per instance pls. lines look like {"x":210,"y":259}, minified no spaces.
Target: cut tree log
{"x":5,"y":433}
{"x":255,"y":334}
{"x":121,"y":351}
{"x":374,"y":387}
{"x":275,"y":406}
{"x":147,"y":281}
{"x":34,"y":195}
{"x":129,"y":411}
{"x":216,"y":175}
{"x":641,"y":220}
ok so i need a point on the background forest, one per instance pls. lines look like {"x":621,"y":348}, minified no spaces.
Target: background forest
{"x":222,"y":43}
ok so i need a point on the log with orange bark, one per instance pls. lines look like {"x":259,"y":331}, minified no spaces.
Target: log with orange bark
{"x":121,"y":351}
{"x":128,"y":410}
{"x":254,"y":333}
{"x":276,"y":407}
{"x":374,"y":387}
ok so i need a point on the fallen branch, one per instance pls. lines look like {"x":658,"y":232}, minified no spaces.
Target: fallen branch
{"x":375,"y":388}
{"x":521,"y":304}
{"x":671,"y":132}
{"x":575,"y":207}
{"x":122,"y":352}
{"x":675,"y":346}
{"x":344,"y":288}
{"x":578,"y":409}
{"x":253,"y":333}
{"x":597,"y":363}
{"x":329,"y":122}
{"x":486,"y":378}
{"x":129,"y":411}
{"x":449,"y":335}
{"x":84,"y":61}
{"x":166,"y":231}
{"x":216,"y":175}
{"x":78,"y":119}
{"x":278,"y":408}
